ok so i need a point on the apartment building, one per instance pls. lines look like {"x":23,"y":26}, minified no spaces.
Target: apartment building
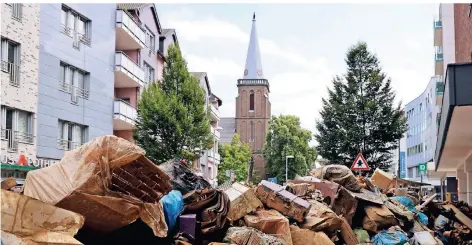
{"x":75,"y":96}
{"x":453,"y":44}
{"x":207,"y":165}
{"x":138,"y":61}
{"x":19,"y":92}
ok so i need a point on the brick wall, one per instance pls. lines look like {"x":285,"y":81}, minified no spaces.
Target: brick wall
{"x":463,"y":32}
{"x":24,"y":96}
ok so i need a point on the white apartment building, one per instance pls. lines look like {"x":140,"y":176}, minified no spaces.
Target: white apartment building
{"x":19,"y":91}
{"x":209,"y":160}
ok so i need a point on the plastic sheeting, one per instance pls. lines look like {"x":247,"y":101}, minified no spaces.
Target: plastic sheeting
{"x":109,"y":181}
{"x":29,"y":221}
{"x":391,"y":236}
{"x":408,"y":203}
{"x":183,"y":179}
{"x":173,"y":204}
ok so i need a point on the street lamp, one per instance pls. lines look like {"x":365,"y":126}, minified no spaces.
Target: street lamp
{"x":286,"y":168}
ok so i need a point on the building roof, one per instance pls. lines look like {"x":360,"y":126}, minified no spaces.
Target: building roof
{"x":166,"y":33}
{"x":139,"y":6}
{"x":229,"y":128}
{"x":203,"y":75}
{"x":253,"y":68}
{"x":214,"y":97}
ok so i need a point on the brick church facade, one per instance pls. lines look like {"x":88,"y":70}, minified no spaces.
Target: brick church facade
{"x":253,"y":109}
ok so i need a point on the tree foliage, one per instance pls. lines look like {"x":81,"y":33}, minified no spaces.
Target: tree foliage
{"x":360,"y":114}
{"x":287,"y":138}
{"x":172,"y":119}
{"x":234,"y":156}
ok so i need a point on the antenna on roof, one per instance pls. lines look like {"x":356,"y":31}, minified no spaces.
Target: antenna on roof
{"x":254,"y":16}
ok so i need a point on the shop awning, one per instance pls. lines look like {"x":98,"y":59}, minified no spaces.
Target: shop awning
{"x":454,"y":145}
{"x":17,"y":167}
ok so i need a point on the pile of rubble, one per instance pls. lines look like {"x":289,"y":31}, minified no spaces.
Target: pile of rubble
{"x":108,"y":192}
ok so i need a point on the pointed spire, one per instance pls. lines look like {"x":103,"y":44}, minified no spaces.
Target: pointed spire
{"x":253,"y":69}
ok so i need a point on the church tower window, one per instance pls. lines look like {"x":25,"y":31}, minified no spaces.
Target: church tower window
{"x":251,"y":100}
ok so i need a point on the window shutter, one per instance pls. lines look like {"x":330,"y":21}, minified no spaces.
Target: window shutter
{"x":68,"y":76}
{"x":4,"y":117}
{"x":65,"y":131}
{"x":15,"y":120}
{"x":4,"y":50}
{"x":30,"y":123}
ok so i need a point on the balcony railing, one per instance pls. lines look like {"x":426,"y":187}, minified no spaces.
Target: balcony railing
{"x":122,"y":108}
{"x":437,"y":24}
{"x":132,"y":70}
{"x":215,"y":132}
{"x":440,"y":88}
{"x":67,"y":145}
{"x":13,"y":70}
{"x":14,"y":137}
{"x":439,"y":56}
{"x":68,"y":88}
{"x":129,"y":26}
{"x":215,"y":112}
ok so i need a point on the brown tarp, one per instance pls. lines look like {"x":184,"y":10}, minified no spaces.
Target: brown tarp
{"x":321,"y":218}
{"x":339,"y":174}
{"x":308,"y":237}
{"x":211,"y":207}
{"x":270,"y":222}
{"x":29,"y":221}
{"x":378,"y":218}
{"x":109,"y":181}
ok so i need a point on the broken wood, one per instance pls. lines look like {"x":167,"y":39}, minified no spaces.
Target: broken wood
{"x":459,"y":215}
{"x":348,"y":235}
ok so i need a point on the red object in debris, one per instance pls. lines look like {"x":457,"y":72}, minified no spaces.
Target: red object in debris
{"x":360,"y":164}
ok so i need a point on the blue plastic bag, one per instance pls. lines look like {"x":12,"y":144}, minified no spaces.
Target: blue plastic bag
{"x":390,"y":238}
{"x":408,"y":203}
{"x":173,"y":204}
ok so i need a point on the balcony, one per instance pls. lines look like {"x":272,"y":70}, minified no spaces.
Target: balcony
{"x":13,"y":71}
{"x":215,"y":113}
{"x":439,"y":89}
{"x":128,"y":74}
{"x":67,"y":145}
{"x":124,"y":115}
{"x":129,"y":36}
{"x":15,"y":137}
{"x":215,"y":132}
{"x":437,"y":24}
{"x":213,"y":157}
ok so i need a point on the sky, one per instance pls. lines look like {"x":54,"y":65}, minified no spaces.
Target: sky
{"x":303,"y":46}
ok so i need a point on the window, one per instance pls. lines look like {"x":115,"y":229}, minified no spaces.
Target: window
{"x":74,"y":81}
{"x":251,"y":100}
{"x":17,"y":11}
{"x":252,"y":131}
{"x":17,"y":126}
{"x":10,"y":52}
{"x":148,"y":73}
{"x":71,"y":135}
{"x":76,"y":26}
{"x":421,"y":107}
{"x":150,"y":40}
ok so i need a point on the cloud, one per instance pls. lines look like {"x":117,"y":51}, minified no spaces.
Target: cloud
{"x":296,"y":90}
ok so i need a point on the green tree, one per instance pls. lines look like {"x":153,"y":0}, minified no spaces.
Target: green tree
{"x":360,"y":114}
{"x":234,"y":156}
{"x":287,"y":138}
{"x":172,"y":118}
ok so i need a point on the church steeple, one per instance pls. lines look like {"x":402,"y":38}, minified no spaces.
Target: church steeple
{"x":253,"y":69}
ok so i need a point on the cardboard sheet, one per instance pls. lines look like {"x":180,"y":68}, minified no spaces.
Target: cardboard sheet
{"x":109,"y":181}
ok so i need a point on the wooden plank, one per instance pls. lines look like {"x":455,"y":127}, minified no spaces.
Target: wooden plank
{"x":460,"y":216}
{"x":348,"y":235}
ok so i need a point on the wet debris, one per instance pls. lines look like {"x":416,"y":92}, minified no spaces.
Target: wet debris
{"x":108,"y":192}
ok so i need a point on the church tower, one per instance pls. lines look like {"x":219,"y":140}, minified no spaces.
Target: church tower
{"x":253,"y":105}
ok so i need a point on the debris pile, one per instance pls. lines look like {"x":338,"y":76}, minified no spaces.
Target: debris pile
{"x":108,"y":192}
